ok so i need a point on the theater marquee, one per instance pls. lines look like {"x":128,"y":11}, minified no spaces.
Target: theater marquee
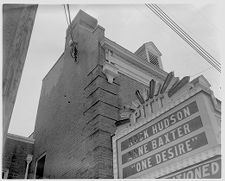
{"x":206,"y":169}
{"x":179,"y":133}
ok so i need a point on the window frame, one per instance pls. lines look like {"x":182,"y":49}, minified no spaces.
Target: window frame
{"x":36,"y":163}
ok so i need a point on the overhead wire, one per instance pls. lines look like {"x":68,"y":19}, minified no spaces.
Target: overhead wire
{"x":68,"y":8}
{"x":192,"y":41}
{"x":164,"y":17}
{"x":183,"y":37}
{"x":66,"y":15}
{"x":210,"y":61}
{"x":189,"y":37}
{"x":72,"y":43}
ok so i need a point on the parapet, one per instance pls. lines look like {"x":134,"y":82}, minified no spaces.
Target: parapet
{"x":84,"y":20}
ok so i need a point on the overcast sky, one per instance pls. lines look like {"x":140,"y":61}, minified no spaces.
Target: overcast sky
{"x":128,"y":25}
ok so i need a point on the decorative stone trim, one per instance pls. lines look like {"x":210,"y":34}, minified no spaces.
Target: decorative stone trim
{"x":130,"y":64}
{"x":131,"y":57}
{"x":20,"y":138}
{"x":110,"y":71}
{"x":175,"y":102}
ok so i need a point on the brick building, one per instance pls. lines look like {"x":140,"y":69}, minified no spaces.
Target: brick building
{"x":18,"y":21}
{"x":17,"y":156}
{"x":81,"y":100}
{"x":174,"y":134}
{"x":84,"y":102}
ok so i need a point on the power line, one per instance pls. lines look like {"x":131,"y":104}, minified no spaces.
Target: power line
{"x":66,"y":14}
{"x":189,"y":38}
{"x":209,"y":60}
{"x":68,"y":18}
{"x":181,"y":35}
{"x":68,"y":8}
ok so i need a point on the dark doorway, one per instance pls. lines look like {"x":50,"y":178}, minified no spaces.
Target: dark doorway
{"x":40,"y":167}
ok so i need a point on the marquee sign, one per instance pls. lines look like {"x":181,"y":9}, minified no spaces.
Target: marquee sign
{"x":156,"y":97}
{"x":166,"y":138}
{"x":170,"y":120}
{"x":179,"y":133}
{"x":207,"y":169}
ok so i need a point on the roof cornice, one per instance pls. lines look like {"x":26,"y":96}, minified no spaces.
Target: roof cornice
{"x":20,"y":138}
{"x":133,"y":59}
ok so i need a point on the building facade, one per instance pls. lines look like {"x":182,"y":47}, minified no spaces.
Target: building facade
{"x":17,"y":157}
{"x":91,"y":97}
{"x":18,"y":21}
{"x":173,"y":134}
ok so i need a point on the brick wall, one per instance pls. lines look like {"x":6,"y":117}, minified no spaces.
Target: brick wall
{"x":72,"y":114}
{"x":78,"y":109}
{"x":127,"y":89}
{"x":14,"y":157}
{"x":18,"y":20}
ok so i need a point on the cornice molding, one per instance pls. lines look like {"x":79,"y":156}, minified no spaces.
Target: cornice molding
{"x":130,"y":60}
{"x":20,"y":138}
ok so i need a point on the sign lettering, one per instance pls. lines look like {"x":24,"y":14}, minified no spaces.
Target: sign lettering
{"x":164,"y":139}
{"x":210,"y":169}
{"x":170,"y":153}
{"x":161,"y":125}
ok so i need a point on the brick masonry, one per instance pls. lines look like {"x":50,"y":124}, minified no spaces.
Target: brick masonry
{"x":18,"y":20}
{"x":78,"y":109}
{"x":14,"y":157}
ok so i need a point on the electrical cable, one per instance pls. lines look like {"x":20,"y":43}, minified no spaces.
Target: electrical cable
{"x":69,"y":12}
{"x":184,"y":38}
{"x":68,"y":19}
{"x":66,"y":15}
{"x":189,"y":37}
{"x":72,"y":43}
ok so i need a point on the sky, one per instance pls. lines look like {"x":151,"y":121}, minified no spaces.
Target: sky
{"x":128,"y":25}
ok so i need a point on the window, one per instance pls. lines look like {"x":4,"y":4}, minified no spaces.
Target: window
{"x":39,"y":171}
{"x":153,"y":59}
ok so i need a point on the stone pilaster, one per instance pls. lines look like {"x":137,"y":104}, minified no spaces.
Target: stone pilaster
{"x":101,"y":113}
